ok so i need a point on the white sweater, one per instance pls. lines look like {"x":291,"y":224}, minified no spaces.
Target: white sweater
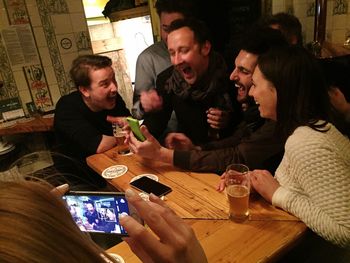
{"x":314,"y":175}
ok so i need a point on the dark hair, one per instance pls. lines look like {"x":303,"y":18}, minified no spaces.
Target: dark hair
{"x":185,"y":7}
{"x":259,"y":39}
{"x":336,"y":72}
{"x":198,"y":27}
{"x":289,"y":26}
{"x":82,"y":65}
{"x":302,"y":97}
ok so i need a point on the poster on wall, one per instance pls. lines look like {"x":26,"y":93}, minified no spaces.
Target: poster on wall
{"x":17,"y":12}
{"x":38,"y":87}
{"x":20,"y":45}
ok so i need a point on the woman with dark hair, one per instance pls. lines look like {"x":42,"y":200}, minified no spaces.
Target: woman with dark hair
{"x":313,"y":179}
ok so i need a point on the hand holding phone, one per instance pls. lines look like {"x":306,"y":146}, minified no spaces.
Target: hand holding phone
{"x":135,"y":128}
{"x":98,"y":212}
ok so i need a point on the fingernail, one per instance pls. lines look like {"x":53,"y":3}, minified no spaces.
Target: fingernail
{"x":129,"y":193}
{"x":62,"y":187}
{"x":122,"y":215}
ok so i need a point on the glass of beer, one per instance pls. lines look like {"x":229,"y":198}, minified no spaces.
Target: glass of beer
{"x":119,"y":135}
{"x":237,"y":189}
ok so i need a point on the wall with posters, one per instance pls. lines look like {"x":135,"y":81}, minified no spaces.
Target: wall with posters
{"x":38,"y":41}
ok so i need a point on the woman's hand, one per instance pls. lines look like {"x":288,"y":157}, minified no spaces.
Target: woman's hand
{"x":221,"y":185}
{"x":264,"y":183}
{"x":177,"y":241}
{"x":60,"y":190}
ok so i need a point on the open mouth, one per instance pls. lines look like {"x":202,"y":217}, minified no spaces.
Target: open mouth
{"x":186,"y":71}
{"x":241,"y":90}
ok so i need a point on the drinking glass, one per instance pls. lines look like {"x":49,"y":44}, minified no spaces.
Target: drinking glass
{"x":119,"y":135}
{"x":237,"y":189}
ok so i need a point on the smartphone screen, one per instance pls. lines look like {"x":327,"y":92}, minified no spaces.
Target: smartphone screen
{"x":148,"y":185}
{"x":98,"y":211}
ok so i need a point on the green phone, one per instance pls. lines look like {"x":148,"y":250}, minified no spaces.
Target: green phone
{"x":135,"y":127}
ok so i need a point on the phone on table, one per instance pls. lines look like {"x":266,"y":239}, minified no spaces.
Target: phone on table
{"x":135,"y":128}
{"x":149,"y":185}
{"x":97,"y":212}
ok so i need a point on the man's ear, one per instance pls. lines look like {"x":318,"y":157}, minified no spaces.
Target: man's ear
{"x":85,"y":91}
{"x":206,"y":47}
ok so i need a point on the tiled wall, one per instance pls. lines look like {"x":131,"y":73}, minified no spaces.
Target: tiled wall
{"x":338,"y":17}
{"x":60,"y":31}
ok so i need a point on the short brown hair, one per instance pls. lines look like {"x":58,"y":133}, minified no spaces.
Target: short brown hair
{"x":82,"y":65}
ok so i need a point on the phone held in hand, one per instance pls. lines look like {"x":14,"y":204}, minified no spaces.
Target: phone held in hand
{"x":149,"y":186}
{"x":135,"y":128}
{"x":98,"y":212}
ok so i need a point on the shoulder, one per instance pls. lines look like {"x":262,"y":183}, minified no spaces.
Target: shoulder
{"x":308,"y":140}
{"x":157,"y":49}
{"x":69,"y":100}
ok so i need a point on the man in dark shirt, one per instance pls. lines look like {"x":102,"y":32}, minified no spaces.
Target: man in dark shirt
{"x":80,"y":124}
{"x":194,"y":86}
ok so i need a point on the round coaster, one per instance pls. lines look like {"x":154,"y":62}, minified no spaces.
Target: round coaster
{"x":114,"y":171}
{"x":117,"y":258}
{"x":151,"y":176}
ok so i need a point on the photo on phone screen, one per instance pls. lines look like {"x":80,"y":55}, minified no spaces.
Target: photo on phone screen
{"x":98,"y":211}
{"x":148,"y":185}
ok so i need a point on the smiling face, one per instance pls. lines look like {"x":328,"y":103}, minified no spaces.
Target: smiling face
{"x":245,"y":64}
{"x":102,"y":92}
{"x":265,"y":95}
{"x":187,"y":55}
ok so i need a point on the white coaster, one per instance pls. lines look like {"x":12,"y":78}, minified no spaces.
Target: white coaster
{"x":117,"y":257}
{"x":151,"y":176}
{"x":114,"y":171}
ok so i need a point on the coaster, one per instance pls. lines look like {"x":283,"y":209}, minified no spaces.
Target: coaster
{"x":151,"y":176}
{"x":114,"y":171}
{"x":117,"y":258}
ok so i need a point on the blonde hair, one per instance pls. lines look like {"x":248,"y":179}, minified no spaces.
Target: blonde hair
{"x":36,"y":226}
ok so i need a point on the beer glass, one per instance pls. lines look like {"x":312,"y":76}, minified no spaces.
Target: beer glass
{"x":237,"y":189}
{"x":119,"y":135}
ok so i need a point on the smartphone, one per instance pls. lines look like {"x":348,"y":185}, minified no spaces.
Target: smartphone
{"x":148,"y":185}
{"x":135,"y":127}
{"x":97,"y":212}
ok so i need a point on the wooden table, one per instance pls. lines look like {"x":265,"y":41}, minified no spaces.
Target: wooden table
{"x":268,"y":234}
{"x":38,"y":124}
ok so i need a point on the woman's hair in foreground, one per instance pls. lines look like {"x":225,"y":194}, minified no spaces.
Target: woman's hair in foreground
{"x":302,"y":97}
{"x":36,"y":226}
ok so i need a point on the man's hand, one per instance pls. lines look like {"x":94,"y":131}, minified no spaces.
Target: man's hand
{"x":120,"y":121}
{"x":178,"y":141}
{"x":218,"y":119}
{"x":151,"y":101}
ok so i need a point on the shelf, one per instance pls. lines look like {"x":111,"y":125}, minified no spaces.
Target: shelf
{"x":129,"y":13}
